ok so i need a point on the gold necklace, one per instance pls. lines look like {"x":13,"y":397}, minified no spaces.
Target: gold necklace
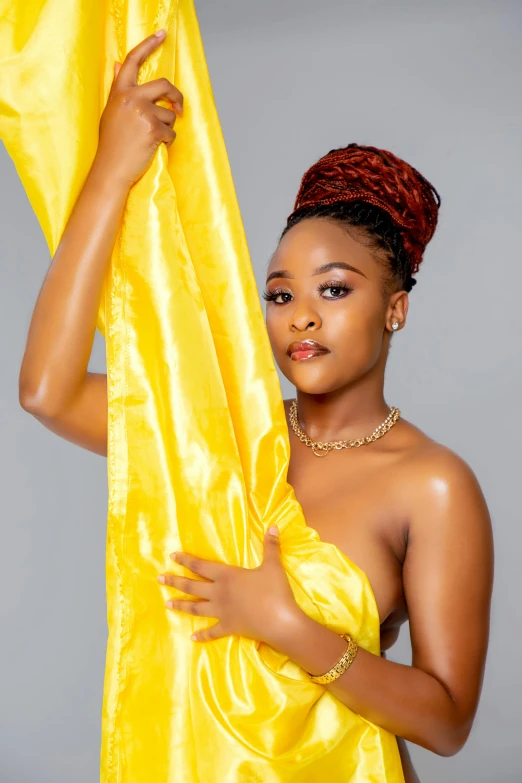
{"x":321,"y":449}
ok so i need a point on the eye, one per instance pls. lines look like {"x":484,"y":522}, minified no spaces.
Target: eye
{"x":338,"y":290}
{"x":273,"y":296}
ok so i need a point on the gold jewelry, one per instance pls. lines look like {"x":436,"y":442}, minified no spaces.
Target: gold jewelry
{"x":341,"y":665}
{"x":319,"y":446}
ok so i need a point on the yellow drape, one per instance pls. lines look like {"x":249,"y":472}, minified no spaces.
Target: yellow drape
{"x":198,"y":444}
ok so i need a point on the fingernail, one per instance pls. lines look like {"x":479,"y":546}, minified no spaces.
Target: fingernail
{"x":161,"y":579}
{"x":273,"y":530}
{"x":160,"y":33}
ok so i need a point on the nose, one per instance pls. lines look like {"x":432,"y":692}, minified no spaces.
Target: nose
{"x":303,"y":318}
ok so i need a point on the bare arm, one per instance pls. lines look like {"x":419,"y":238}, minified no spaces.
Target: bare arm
{"x":55,"y":385}
{"x":410,"y":776}
{"x":448,"y":577}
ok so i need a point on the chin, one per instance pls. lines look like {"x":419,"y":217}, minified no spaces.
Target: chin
{"x":311,"y":381}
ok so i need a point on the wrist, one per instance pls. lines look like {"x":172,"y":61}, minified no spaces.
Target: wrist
{"x":310,"y":644}
{"x":104,"y":176}
{"x":287,"y":625}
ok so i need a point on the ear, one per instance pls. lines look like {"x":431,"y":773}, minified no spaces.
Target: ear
{"x":397,"y":311}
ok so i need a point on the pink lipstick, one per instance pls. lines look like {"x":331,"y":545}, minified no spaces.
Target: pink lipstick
{"x":305,"y":349}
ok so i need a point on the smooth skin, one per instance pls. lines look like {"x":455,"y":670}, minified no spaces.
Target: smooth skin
{"x":55,"y":385}
{"x":405,"y":509}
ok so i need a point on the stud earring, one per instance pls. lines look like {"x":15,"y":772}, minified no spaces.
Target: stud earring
{"x":395,"y":325}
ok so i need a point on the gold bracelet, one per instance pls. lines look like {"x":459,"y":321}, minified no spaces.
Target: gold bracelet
{"x":341,"y":665}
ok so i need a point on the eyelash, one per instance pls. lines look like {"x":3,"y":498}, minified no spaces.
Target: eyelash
{"x":271,"y":296}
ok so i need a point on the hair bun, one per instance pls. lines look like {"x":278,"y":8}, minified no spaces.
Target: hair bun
{"x":377,"y":176}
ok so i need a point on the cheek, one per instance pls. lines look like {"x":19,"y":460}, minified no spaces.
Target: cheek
{"x":356,"y":332}
{"x":357,"y":320}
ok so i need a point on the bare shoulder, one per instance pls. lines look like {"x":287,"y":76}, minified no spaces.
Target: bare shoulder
{"x":446,"y":502}
{"x":436,"y":470}
{"x":428,"y":470}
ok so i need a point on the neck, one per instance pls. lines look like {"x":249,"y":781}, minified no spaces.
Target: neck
{"x":342,"y":415}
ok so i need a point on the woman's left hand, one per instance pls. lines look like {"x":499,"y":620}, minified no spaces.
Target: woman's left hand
{"x":254,"y":602}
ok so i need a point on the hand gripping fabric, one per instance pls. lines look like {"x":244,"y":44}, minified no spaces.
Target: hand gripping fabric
{"x":198,"y":445}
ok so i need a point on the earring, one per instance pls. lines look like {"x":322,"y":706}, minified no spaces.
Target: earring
{"x":395,"y":325}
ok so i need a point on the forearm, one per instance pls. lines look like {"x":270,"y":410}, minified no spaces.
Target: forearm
{"x":410,"y":775}
{"x":405,"y":700}
{"x":63,"y":324}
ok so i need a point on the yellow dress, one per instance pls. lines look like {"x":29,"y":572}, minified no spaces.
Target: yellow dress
{"x":198,"y":444}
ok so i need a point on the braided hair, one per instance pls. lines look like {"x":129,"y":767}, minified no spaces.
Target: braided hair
{"x":389,"y":203}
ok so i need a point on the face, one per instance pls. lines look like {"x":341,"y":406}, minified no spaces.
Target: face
{"x":325,"y":286}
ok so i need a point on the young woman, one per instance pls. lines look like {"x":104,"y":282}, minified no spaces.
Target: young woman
{"x":405,"y":509}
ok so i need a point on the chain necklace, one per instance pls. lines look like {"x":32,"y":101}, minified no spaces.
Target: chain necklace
{"x":321,"y":449}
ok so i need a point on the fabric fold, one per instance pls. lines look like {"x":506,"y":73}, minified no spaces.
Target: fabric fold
{"x":198,"y":445}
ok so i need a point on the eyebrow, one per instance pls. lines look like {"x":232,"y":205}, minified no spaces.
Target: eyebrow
{"x":319,"y":271}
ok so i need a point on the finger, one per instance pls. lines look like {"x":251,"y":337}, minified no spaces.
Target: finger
{"x":165,"y":115}
{"x":162,"y":88}
{"x":197,"y":608}
{"x":166,"y":134}
{"x":208,"y":633}
{"x":186,"y":585}
{"x":271,"y":543}
{"x":272,"y":536}
{"x":161,"y":133}
{"x":129,"y":70}
{"x":197,"y":565}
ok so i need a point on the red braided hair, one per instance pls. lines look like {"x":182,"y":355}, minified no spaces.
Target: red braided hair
{"x":378,"y":177}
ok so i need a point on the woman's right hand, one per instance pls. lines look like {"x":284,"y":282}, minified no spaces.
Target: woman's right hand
{"x":132,"y":125}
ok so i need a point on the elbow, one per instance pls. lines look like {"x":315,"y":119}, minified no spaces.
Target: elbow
{"x":448,"y":739}
{"x":36,"y":403}
{"x":450,"y":746}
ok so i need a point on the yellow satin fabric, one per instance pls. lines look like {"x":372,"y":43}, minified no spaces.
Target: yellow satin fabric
{"x":198,"y":443}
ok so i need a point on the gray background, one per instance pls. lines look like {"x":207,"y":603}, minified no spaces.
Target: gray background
{"x":436,"y":83}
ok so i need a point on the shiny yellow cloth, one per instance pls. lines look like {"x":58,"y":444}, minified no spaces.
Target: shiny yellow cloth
{"x":198,"y":443}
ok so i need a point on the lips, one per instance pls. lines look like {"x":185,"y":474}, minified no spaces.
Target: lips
{"x":305,"y":349}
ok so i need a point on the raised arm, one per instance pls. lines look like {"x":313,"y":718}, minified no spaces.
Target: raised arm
{"x":55,"y":385}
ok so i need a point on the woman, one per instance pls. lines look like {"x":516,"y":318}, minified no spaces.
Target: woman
{"x":407,"y":510}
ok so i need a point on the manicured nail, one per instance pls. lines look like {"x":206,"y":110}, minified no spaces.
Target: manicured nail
{"x":160,"y":33}
{"x":161,"y":579}
{"x":273,"y":530}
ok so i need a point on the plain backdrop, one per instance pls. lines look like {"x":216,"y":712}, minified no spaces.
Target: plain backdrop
{"x":438,"y":84}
